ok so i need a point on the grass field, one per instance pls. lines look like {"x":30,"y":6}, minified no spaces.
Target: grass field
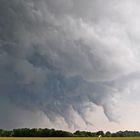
{"x":12,"y":138}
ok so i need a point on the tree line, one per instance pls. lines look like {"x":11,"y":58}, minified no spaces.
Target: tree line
{"x":39,"y":132}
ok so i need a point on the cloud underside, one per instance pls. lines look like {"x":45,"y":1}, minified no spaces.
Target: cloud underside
{"x":65,"y":57}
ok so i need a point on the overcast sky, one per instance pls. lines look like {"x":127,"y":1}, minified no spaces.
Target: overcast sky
{"x":70,"y":64}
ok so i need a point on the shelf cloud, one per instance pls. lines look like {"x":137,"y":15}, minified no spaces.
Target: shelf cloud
{"x":64,"y":57}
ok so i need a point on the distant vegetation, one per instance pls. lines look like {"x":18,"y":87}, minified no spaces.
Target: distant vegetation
{"x":38,"y":132}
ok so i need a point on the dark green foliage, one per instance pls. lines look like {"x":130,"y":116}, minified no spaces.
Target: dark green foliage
{"x":84,"y":134}
{"x":100,"y":133}
{"x":108,"y":134}
{"x":25,"y":132}
{"x":126,"y":134}
{"x":39,"y":132}
{"x":5,"y":133}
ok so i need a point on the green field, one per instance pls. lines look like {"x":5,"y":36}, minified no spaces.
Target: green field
{"x":13,"y":138}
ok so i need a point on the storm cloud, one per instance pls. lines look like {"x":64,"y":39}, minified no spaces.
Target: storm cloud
{"x":64,"y":57}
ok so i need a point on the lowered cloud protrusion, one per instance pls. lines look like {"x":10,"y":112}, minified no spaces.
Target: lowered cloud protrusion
{"x":62,"y":58}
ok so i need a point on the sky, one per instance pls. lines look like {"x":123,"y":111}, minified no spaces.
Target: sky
{"x":70,"y":64}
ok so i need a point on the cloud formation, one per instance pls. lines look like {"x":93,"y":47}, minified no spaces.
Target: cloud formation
{"x":64,"y":57}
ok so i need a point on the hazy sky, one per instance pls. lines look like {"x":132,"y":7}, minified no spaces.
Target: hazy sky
{"x":70,"y":64}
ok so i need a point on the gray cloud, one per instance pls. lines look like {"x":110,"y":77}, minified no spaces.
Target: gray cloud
{"x":59,"y":58}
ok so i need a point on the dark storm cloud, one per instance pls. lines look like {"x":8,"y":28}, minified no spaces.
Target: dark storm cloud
{"x":56,"y":57}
